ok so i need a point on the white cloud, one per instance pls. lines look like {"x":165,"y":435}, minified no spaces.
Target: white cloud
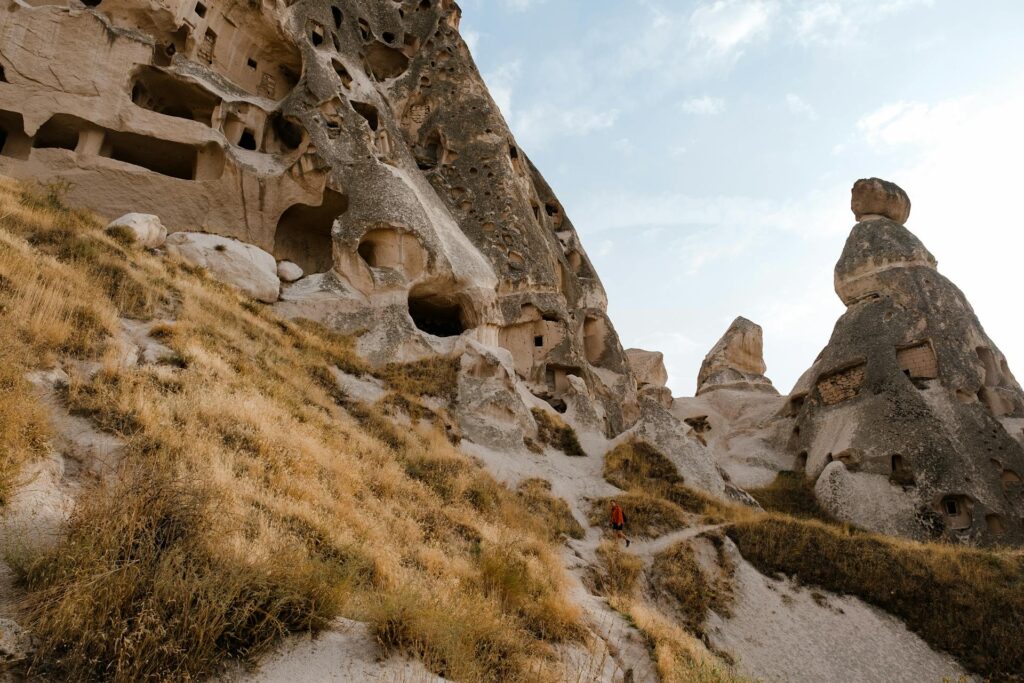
{"x":904,"y":123}
{"x":706,"y":105}
{"x":624,"y":146}
{"x":840,"y":22}
{"x":799,"y":107}
{"x":723,"y":27}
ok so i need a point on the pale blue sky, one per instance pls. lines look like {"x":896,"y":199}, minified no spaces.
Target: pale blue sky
{"x":704,"y":150}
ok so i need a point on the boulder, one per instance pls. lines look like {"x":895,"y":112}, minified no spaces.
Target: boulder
{"x":288,"y":271}
{"x":876,"y":198}
{"x":145,"y":227}
{"x":648,"y":367}
{"x":245,"y":266}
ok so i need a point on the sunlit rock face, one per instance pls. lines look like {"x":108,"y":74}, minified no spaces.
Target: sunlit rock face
{"x":736,"y":361}
{"x":910,"y":419}
{"x":354,"y":139}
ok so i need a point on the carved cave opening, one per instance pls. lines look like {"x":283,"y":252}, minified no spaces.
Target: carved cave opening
{"x":368,"y":112}
{"x":436,"y":313}
{"x":13,"y":141}
{"x":165,"y":94}
{"x":384,"y":62}
{"x":160,"y":156}
{"x":304,"y":233}
{"x":918,"y":361}
{"x":956,"y":510}
{"x":60,"y":132}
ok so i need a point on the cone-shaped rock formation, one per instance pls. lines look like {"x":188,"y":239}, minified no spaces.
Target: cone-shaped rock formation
{"x":910,"y":419}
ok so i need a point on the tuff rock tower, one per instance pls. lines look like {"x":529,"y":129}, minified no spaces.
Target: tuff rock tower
{"x":909,"y":420}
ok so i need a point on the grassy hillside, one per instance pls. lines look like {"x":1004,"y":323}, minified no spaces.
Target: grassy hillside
{"x":254,"y":499}
{"x":965,"y":601}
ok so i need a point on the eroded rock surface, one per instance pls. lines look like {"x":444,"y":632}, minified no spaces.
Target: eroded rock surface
{"x":736,"y":361}
{"x":285,"y":125}
{"x":648,"y":367}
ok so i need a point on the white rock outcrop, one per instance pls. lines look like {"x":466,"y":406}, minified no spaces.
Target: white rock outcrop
{"x":288,"y":271}
{"x":147,"y":228}
{"x":648,"y":367}
{"x":245,"y":266}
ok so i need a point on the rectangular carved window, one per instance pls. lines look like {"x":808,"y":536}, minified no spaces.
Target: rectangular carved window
{"x":841,"y":386}
{"x":918,"y":361}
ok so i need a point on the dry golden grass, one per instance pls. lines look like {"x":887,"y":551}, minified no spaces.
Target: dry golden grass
{"x":678,"y":574}
{"x":791,"y":493}
{"x":618,"y":570}
{"x":558,"y":518}
{"x":647,"y":516}
{"x":427,"y":377}
{"x":643,"y":470}
{"x":680,"y":657}
{"x":24,"y":426}
{"x":553,"y":431}
{"x":255,"y":498}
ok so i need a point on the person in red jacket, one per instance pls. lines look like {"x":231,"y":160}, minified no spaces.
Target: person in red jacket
{"x":619,"y":522}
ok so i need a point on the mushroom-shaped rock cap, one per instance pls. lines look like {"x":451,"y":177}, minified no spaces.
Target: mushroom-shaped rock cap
{"x":876,"y":198}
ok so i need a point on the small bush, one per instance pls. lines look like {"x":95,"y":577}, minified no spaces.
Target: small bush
{"x":680,"y":657}
{"x":435,"y":376}
{"x":637,"y":464}
{"x":121,"y":234}
{"x":791,"y":493}
{"x":558,"y":518}
{"x":964,"y":601}
{"x":618,"y":570}
{"x":524,"y":587}
{"x":460,"y":636}
{"x":554,"y":432}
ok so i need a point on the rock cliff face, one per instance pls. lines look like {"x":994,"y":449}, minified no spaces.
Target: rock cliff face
{"x":354,"y":139}
{"x":910,"y":419}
